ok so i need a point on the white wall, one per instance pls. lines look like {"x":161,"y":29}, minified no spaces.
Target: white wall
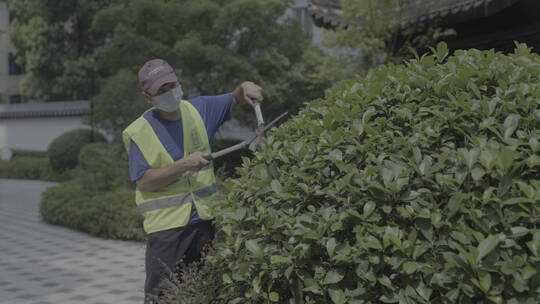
{"x":34,"y":133}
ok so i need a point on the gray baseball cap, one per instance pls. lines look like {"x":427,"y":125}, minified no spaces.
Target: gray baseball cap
{"x":154,"y":74}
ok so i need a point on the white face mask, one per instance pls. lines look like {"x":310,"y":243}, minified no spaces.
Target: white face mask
{"x":169,"y":101}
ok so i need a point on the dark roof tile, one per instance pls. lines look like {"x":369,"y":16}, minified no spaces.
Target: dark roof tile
{"x":45,"y":109}
{"x":327,"y":13}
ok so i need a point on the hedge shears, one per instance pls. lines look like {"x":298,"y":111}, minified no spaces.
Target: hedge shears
{"x":262,"y":127}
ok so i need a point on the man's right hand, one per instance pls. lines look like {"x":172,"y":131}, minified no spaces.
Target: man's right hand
{"x":195,"y":162}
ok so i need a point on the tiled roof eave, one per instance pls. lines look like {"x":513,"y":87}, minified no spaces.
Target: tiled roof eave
{"x":34,"y":114}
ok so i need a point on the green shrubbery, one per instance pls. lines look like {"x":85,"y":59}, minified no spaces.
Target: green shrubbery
{"x":64,"y":150}
{"x":28,"y":153}
{"x":416,"y":184}
{"x":29,"y":168}
{"x":99,"y":199}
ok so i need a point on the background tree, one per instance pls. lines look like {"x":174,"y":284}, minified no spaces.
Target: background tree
{"x":213,"y":44}
{"x":55,"y":42}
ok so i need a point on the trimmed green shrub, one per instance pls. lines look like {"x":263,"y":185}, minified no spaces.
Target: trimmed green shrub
{"x":99,"y":199}
{"x":29,"y":168}
{"x":28,"y":153}
{"x":416,"y":184}
{"x":64,"y":150}
{"x":109,"y":214}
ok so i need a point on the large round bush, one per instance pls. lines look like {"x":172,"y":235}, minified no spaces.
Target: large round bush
{"x":416,"y":184}
{"x":64,"y":150}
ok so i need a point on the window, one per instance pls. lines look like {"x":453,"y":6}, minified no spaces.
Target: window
{"x":14,"y":68}
{"x":17,"y":99}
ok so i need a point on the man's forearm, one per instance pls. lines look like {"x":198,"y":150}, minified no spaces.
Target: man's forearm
{"x":155,"y":179}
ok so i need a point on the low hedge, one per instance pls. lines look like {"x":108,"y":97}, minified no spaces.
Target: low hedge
{"x":29,"y":168}
{"x":99,"y":199}
{"x":109,"y":214}
{"x":28,"y":153}
{"x":415,"y":184}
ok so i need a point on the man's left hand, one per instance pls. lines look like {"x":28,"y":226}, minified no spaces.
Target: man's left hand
{"x":247,"y":92}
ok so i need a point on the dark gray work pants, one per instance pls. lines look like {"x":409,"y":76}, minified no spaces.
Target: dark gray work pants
{"x":168,"y":247}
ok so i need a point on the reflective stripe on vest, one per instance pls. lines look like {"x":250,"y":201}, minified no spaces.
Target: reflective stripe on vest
{"x":177,"y":200}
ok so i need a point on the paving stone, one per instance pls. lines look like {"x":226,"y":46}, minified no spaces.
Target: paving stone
{"x":27,"y":296}
{"x":59,"y":265}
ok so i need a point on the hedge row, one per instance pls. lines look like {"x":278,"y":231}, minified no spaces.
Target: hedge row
{"x":99,"y":199}
{"x":108,"y":214}
{"x":29,"y":168}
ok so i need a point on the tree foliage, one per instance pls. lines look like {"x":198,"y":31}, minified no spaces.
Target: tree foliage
{"x":55,"y":44}
{"x":213,"y":45}
{"x":415,"y":184}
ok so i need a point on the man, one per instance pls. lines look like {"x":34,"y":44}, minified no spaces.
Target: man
{"x":175,"y":185}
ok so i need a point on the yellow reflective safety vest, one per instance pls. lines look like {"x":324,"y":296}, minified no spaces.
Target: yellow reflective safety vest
{"x":170,"y":207}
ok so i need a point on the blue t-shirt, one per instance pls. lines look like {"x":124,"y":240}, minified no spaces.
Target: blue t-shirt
{"x":214,"y":110}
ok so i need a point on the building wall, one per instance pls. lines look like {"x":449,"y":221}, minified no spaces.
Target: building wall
{"x":34,"y":133}
{"x":9,"y":84}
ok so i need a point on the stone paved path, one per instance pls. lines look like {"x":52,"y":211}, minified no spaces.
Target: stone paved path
{"x":45,"y":264}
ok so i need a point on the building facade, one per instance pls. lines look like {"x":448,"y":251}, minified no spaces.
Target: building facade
{"x":33,"y":126}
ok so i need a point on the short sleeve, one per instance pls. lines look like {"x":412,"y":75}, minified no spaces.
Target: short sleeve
{"x":214,"y":110}
{"x":137,"y":163}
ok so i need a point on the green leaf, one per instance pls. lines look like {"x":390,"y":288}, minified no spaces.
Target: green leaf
{"x":256,"y":283}
{"x":486,"y":246}
{"x":469,"y":156}
{"x":477,"y":173}
{"x":331,"y":246}
{"x":487,"y":159}
{"x":519,"y":231}
{"x":385,"y":281}
{"x":369,"y":207}
{"x":534,"y":247}
{"x":335,"y":155}
{"x":274,"y":297}
{"x":226,"y":278}
{"x":510,"y":124}
{"x":506,"y":158}
{"x":526,"y":189}
{"x":278,"y":259}
{"x":533,"y":143}
{"x":332,"y":277}
{"x":517,"y":200}
{"x":255,"y":249}
{"x":310,"y":285}
{"x":485,"y":280}
{"x":454,"y":204}
{"x":410,"y":267}
{"x":372,"y":242}
{"x":475,"y":89}
{"x":276,"y":186}
{"x":337,"y":296}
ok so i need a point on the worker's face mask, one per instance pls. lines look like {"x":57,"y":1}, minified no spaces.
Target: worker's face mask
{"x":169,"y":101}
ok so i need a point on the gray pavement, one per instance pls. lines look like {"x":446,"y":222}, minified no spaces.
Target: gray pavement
{"x":45,"y":264}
